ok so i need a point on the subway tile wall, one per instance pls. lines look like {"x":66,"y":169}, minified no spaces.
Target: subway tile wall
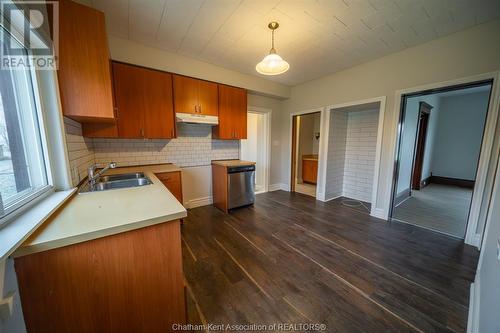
{"x":361,"y":144}
{"x":80,"y":150}
{"x":192,"y":147}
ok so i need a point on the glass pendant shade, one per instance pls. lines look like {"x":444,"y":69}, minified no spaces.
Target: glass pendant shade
{"x":272,"y":64}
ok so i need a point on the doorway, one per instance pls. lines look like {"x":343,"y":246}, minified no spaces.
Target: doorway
{"x":439,"y":147}
{"x":305,"y":151}
{"x":256,"y":147}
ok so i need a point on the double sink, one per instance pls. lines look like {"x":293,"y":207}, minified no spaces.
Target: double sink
{"x":112,"y":182}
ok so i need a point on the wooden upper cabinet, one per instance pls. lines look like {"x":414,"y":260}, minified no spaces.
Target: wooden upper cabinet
{"x":143,"y":102}
{"x":232,"y":114}
{"x":207,"y":98}
{"x":195,"y":96}
{"x":84,"y":70}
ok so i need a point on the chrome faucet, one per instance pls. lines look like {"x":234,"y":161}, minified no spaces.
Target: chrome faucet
{"x":93,"y":176}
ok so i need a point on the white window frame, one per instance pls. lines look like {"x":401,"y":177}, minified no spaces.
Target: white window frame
{"x":36,"y":208}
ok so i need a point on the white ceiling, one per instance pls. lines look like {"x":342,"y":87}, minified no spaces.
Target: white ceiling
{"x":317,"y":37}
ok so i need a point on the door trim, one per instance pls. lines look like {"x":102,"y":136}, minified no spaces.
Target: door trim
{"x":489,"y":149}
{"x":375,"y":210}
{"x":424,"y":111}
{"x":267,"y":113}
{"x":291,"y":173}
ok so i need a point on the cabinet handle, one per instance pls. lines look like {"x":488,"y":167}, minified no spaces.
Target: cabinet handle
{"x":200,"y":109}
{"x":142,"y":132}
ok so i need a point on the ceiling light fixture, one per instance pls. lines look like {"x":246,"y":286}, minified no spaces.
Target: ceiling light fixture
{"x":272,"y":64}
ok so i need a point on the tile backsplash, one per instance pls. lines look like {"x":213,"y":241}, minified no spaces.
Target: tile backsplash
{"x":193,"y":146}
{"x":80,"y":150}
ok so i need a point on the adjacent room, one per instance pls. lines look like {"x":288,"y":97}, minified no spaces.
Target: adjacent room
{"x":440,"y":146}
{"x":305,"y":155}
{"x":249,"y":166}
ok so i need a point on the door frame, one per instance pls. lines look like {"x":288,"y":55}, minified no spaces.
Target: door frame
{"x":424,"y":110}
{"x":267,"y":113}
{"x":489,"y":149}
{"x":293,"y":150}
{"x":375,"y":210}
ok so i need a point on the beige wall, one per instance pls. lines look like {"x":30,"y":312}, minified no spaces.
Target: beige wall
{"x":470,"y":52}
{"x":135,"y":53}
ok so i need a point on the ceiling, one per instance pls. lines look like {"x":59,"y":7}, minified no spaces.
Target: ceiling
{"x":317,"y":37}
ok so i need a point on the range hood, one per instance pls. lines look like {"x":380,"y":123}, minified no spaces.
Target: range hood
{"x":191,"y":118}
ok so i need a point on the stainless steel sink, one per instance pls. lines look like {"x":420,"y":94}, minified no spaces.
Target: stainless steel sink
{"x":123,"y":176}
{"x":119,"y":181}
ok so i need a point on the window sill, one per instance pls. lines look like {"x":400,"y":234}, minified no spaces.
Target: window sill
{"x":17,"y":231}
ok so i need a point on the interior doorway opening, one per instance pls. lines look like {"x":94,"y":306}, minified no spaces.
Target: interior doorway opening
{"x":439,"y":147}
{"x":353,"y":143}
{"x":256,"y":147}
{"x":305,"y":151}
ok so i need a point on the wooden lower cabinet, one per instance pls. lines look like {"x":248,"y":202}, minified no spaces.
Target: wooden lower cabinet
{"x":128,"y":282}
{"x":172,"y":181}
{"x":309,"y":170}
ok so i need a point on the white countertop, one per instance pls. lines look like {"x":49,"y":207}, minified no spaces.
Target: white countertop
{"x":93,"y":215}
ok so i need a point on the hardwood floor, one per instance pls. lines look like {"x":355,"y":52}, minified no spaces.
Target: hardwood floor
{"x":291,"y":259}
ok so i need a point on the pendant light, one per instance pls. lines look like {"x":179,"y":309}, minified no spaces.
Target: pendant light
{"x":272,"y":64}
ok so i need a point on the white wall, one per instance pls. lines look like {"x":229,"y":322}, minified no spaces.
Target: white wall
{"x":487,"y":292}
{"x":360,"y":150}
{"x":458,"y":140}
{"x":466,"y":53}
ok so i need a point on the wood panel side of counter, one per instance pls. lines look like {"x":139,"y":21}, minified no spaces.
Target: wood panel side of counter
{"x":219,"y":186}
{"x":128,"y":282}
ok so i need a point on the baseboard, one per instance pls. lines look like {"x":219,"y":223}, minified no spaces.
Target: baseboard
{"x":474,"y":301}
{"x":332,"y":198}
{"x":451,"y":181}
{"x":475,"y":241}
{"x":425,"y":182}
{"x":379,"y":213}
{"x":274,"y":187}
{"x":402,"y":197}
{"x":198,"y":202}
{"x":284,"y":187}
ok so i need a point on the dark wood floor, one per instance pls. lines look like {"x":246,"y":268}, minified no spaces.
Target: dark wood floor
{"x":291,"y":259}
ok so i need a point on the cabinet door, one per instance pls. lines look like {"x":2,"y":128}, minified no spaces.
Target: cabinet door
{"x":155,"y":93}
{"x":129,"y":87}
{"x":185,"y":94}
{"x":172,"y":181}
{"x":239,"y":100}
{"x":232,"y":114}
{"x":208,"y":103}
{"x":84,"y":71}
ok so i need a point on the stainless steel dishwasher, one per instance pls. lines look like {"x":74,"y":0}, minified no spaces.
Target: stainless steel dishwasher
{"x":240,"y":186}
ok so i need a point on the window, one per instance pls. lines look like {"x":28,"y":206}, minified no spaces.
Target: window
{"x":24,"y":175}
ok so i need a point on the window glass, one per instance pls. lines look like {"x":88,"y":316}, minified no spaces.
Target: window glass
{"x":23,"y":172}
